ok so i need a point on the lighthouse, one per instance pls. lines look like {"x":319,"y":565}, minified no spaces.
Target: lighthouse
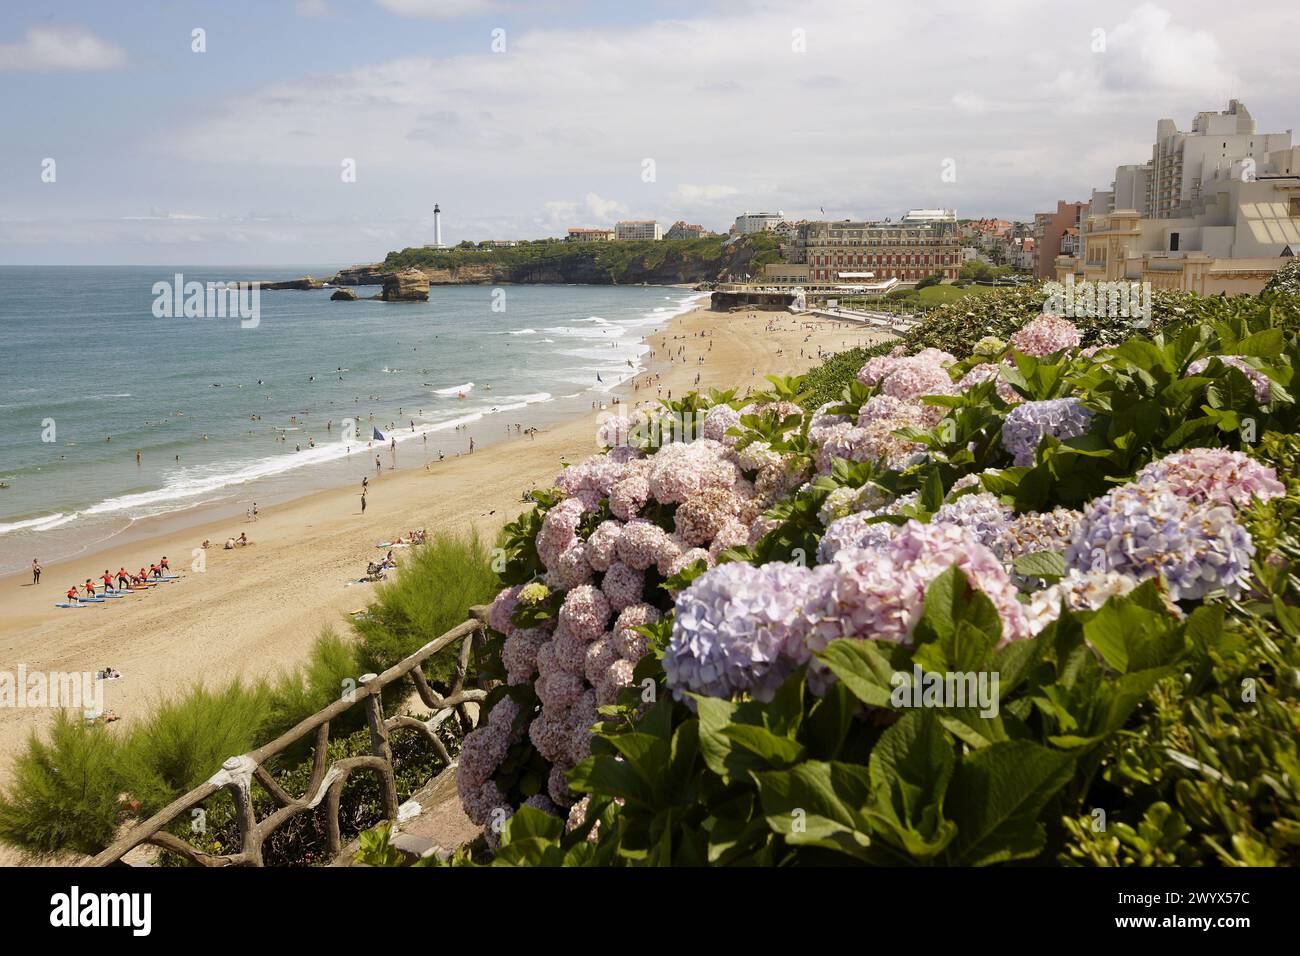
{"x":437,"y":227}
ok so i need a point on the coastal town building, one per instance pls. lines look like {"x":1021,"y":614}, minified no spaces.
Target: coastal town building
{"x":850,"y":251}
{"x":626,"y":229}
{"x":580,"y":234}
{"x":1186,"y":165}
{"x":682,"y":229}
{"x":1052,"y":232}
{"x":749,"y":222}
{"x":1217,"y":210}
{"x":1229,"y":242}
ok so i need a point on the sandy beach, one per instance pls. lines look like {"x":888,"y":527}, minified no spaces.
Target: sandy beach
{"x":256,"y":610}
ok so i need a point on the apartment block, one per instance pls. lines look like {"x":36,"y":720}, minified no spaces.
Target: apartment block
{"x":756,"y":222}
{"x":637,"y":229}
{"x":1215,"y":210}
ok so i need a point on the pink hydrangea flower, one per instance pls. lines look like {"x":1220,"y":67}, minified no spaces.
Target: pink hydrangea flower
{"x":1215,"y":475}
{"x":1046,"y":335}
{"x":622,"y":585}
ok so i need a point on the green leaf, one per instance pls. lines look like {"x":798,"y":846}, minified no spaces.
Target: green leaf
{"x":774,"y":751}
{"x":910,"y":768}
{"x":737,"y":738}
{"x":931,"y":497}
{"x":995,"y":798}
{"x":1134,"y":631}
{"x":817,"y":804}
{"x":606,"y":776}
{"x":829,"y":722}
{"x":1268,"y":343}
{"x":865,"y":671}
{"x":1049,"y":565}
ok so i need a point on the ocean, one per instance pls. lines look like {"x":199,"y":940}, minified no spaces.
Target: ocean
{"x":224,"y":410}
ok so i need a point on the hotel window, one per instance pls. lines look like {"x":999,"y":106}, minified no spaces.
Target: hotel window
{"x":1294,"y":209}
{"x":1173,"y":242}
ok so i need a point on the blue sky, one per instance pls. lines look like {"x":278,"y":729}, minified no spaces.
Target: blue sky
{"x":234,"y":155}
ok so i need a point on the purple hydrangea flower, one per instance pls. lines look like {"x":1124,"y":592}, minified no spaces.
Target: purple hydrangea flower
{"x":1027,"y":423}
{"x":1146,"y":529}
{"x":738,"y":629}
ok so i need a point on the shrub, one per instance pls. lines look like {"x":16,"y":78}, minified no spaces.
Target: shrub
{"x":442,"y":579}
{"x":300,"y":693}
{"x":64,"y":793}
{"x":827,"y":382}
{"x":186,"y":739}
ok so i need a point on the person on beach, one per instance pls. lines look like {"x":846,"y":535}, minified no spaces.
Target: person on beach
{"x":107,"y":578}
{"x":36,"y":571}
{"x":72,"y":594}
{"x":363,"y":501}
{"x":162,"y":564}
{"x":123,"y":579}
{"x":378,"y":465}
{"x":243,"y":539}
{"x":143,"y":575}
{"x":90,"y":588}
{"x":154,"y":571}
{"x":471,"y":446}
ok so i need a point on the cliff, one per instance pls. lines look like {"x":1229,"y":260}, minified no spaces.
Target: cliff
{"x":662,"y":262}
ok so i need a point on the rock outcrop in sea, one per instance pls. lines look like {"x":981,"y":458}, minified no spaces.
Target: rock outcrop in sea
{"x":408,"y":285}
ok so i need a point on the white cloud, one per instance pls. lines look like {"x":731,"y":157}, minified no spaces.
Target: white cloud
{"x":604,"y":209}
{"x":690,"y":191}
{"x":61,"y":49}
{"x":436,"y":9}
{"x":1149,"y":50}
{"x":313,"y":9}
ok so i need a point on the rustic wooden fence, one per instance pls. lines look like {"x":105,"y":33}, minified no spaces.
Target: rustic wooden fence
{"x":326,"y":784}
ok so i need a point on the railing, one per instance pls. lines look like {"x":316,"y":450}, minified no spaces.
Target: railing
{"x":326,"y":783}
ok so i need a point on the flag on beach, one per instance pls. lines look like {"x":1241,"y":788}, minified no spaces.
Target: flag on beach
{"x":378,"y":436}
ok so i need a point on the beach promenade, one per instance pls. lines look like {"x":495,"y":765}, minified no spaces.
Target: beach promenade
{"x":255,"y":611}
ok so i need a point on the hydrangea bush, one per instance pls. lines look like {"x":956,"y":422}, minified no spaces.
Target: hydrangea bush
{"x":1062,"y":515}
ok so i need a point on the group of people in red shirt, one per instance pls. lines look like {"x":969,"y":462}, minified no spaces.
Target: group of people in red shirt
{"x":124,"y":580}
